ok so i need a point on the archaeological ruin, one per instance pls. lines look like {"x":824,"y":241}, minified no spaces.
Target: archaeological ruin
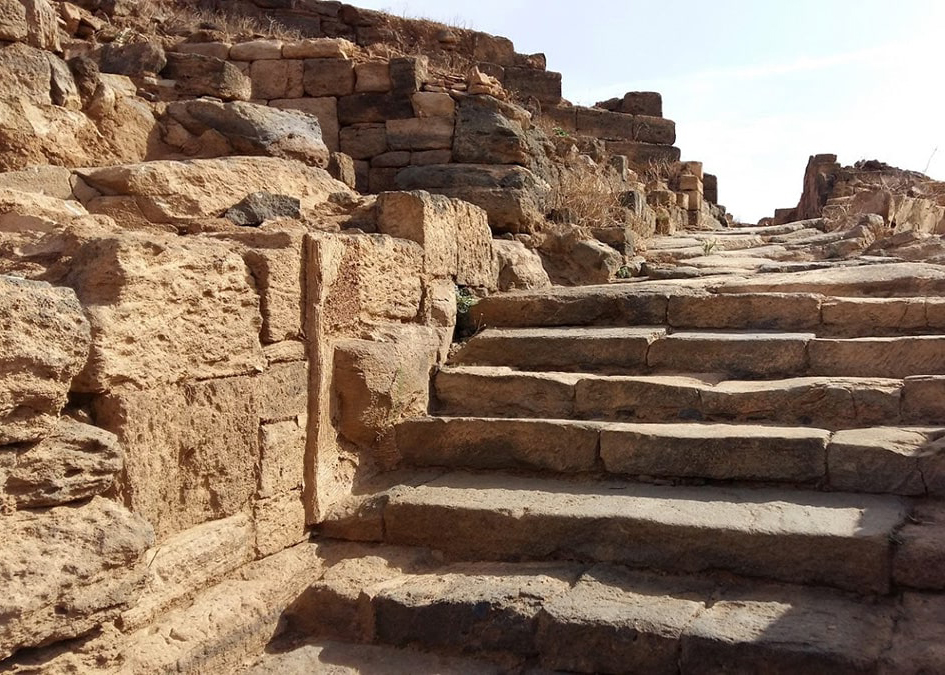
{"x":335,"y":341}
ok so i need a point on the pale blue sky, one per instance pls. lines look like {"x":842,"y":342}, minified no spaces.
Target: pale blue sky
{"x":755,"y":86}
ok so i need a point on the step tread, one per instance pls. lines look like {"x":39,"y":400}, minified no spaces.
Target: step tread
{"x":768,"y":511}
{"x":587,"y":617}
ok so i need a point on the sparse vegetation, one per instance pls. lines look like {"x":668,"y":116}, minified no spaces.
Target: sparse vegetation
{"x":709,"y":246}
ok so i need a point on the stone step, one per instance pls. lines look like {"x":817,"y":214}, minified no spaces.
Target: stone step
{"x":328,"y":657}
{"x":826,"y":402}
{"x":888,"y":279}
{"x":749,"y":355}
{"x":895,"y":460}
{"x":651,"y":304}
{"x":597,"y":618}
{"x":834,"y":539}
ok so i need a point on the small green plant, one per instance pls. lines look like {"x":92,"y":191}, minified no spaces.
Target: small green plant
{"x":464,"y":300}
{"x":624,"y":272}
{"x":561,"y":133}
{"x":709,"y":246}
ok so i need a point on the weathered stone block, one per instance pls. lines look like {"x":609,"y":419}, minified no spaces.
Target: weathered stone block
{"x":433,"y":104}
{"x":256,"y":50}
{"x":544,"y":85}
{"x":325,"y":110}
{"x":282,"y":456}
{"x":379,"y":108}
{"x":416,"y":133}
{"x":274,"y":79}
{"x":642,"y":103}
{"x":190,"y":562}
{"x":428,"y":157}
{"x":218,"y":50}
{"x":395,"y":159}
{"x":429,"y":220}
{"x":46,"y":340}
{"x":384,"y":381}
{"x":382,"y":179}
{"x":604,"y":124}
{"x":127,"y":282}
{"x":689,"y":183}
{"x":641,"y":154}
{"x":198,"y":75}
{"x":280,"y":523}
{"x":190,"y":451}
{"x":923,"y":400}
{"x":372,"y":76}
{"x":25,"y":71}
{"x":75,"y":462}
{"x":654,"y":130}
{"x":328,"y":77}
{"x":407,"y":74}
{"x":489,"y":131}
{"x":364,"y":141}
{"x":711,"y":188}
{"x":59,"y":587}
{"x":318,"y":48}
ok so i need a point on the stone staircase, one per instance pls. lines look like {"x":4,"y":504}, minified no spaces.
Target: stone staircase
{"x":726,"y":476}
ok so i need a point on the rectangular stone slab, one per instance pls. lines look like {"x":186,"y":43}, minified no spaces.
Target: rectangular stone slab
{"x":836,"y":539}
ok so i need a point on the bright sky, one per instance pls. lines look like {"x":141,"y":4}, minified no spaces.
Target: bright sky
{"x":755,"y":86}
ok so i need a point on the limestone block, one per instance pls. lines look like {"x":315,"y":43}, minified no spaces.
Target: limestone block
{"x":218,"y":50}
{"x":654,"y":130}
{"x":128,"y":282}
{"x":542,"y":84}
{"x":682,"y":200}
{"x":168,"y":191}
{"x":604,"y":124}
{"x":42,"y":25}
{"x":641,"y":154}
{"x":58,"y":587}
{"x":342,"y":168}
{"x":433,"y":104}
{"x":328,"y":77}
{"x":394,"y":159}
{"x":489,"y":131}
{"x":475,"y":264}
{"x":256,"y":50}
{"x":435,"y":133}
{"x":30,"y":212}
{"x":280,"y":523}
{"x":372,"y":277}
{"x":919,"y":558}
{"x":695,"y":200}
{"x":690,"y":183}
{"x":274,"y":79}
{"x":408,"y":73}
{"x":281,"y":393}
{"x":363,"y":141}
{"x":275,"y":260}
{"x":134,"y":59}
{"x":76,"y":461}
{"x":519,"y":268}
{"x":372,"y":76}
{"x":378,"y":108}
{"x":429,"y":220}
{"x":428,"y":157}
{"x":190,"y":450}
{"x":319,"y":48}
{"x":642,"y":103}
{"x":493,"y":49}
{"x":711,"y":188}
{"x":198,"y":75}
{"x":383,"y":381}
{"x":382,"y":179}
{"x":46,"y":340}
{"x":188,"y":563}
{"x":325,"y":110}
{"x":510,"y":195}
{"x":694,"y":169}
{"x":52,"y":181}
{"x":282,"y":456}
{"x":24,"y":71}
{"x":13,"y":24}
{"x":251,"y":129}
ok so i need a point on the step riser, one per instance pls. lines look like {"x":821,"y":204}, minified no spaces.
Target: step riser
{"x":797,"y":312}
{"x":600,"y":619}
{"x":826,"y":405}
{"x":775,"y":356}
{"x":861,"y":564}
{"x":811,"y":457}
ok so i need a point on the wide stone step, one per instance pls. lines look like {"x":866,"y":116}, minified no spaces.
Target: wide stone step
{"x":595,"y":618}
{"x":681,"y":308}
{"x":750,"y":355}
{"x":899,"y":279}
{"x":894,"y":460}
{"x":836,"y":539}
{"x":826,"y":402}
